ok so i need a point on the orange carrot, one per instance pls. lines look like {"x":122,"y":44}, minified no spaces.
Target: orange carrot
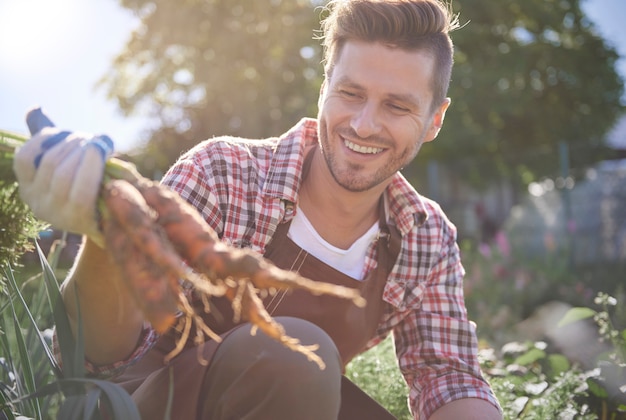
{"x":199,"y":245}
{"x":158,"y":240}
{"x":150,"y":266}
{"x":249,"y":307}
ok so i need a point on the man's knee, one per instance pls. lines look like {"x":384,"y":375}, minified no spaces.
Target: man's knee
{"x":311,"y":337}
{"x":258,"y":368}
{"x":261,"y":355}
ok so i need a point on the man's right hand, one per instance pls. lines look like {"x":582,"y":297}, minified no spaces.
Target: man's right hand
{"x":59,"y":175}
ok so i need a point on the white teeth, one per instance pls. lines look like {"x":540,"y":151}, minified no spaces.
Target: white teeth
{"x":362,"y":149}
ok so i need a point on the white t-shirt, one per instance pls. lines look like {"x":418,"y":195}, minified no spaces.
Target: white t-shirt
{"x":348,"y":261}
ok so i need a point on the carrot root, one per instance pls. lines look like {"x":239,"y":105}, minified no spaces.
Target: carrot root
{"x":160,"y":241}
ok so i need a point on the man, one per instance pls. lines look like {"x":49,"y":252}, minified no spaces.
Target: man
{"x":326,"y":199}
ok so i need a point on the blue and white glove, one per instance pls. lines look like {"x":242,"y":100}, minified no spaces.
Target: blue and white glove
{"x":59,"y":175}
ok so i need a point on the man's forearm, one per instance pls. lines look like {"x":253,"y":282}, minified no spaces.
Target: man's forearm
{"x":467,"y":409}
{"x":111,"y":321}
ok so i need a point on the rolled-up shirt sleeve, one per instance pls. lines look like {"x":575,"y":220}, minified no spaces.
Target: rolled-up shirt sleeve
{"x":146,"y":341}
{"x":436,"y":343}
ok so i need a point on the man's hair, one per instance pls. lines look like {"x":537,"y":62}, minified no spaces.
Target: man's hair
{"x":412,"y":25}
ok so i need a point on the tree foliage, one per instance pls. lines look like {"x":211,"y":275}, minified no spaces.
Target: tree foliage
{"x":213,"y":67}
{"x":528,"y":75}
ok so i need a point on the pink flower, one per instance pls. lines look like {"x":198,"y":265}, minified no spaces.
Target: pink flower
{"x":503,"y":243}
{"x":485,"y":250}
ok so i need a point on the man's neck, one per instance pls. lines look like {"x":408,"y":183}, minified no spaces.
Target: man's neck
{"x":338,"y":215}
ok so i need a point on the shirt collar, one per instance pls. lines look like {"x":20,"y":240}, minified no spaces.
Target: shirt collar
{"x":406,"y":206}
{"x":285,"y":172}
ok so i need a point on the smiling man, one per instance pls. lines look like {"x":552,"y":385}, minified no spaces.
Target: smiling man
{"x":325,"y":199}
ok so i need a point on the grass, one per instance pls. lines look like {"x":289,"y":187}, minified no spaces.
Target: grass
{"x":376,"y":372}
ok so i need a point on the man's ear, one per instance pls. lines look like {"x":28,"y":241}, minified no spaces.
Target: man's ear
{"x":437,"y":121}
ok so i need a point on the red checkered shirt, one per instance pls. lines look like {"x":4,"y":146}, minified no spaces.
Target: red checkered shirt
{"x":241,"y":188}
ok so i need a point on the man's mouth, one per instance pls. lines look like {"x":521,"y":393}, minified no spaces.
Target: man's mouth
{"x":362,"y":149}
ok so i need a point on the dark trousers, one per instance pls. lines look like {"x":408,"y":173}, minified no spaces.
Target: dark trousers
{"x":255,"y":377}
{"x":251,"y":377}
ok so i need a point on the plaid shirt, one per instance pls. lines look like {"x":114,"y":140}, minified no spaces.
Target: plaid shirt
{"x":241,"y":188}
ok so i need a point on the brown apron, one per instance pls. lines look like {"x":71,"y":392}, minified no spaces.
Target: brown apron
{"x":350,"y":327}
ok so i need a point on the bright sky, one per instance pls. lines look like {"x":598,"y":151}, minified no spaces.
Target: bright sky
{"x":609,"y":16}
{"x":52,"y":53}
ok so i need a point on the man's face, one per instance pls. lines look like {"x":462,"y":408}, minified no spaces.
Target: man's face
{"x":375,"y":113}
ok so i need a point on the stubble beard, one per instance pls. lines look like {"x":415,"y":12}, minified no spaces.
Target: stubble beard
{"x":351,"y":178}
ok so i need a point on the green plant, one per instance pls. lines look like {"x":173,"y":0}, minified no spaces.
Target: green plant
{"x":531,"y":383}
{"x":376,"y":372}
{"x":32,"y":383}
{"x":17,"y":223}
{"x":607,"y":387}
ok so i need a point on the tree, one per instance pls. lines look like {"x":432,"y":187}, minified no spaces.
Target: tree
{"x":529,"y":75}
{"x":213,"y":67}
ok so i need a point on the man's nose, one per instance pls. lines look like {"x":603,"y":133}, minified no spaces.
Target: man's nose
{"x":366,"y":121}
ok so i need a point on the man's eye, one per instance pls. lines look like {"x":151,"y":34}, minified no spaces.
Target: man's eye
{"x":348,"y":93}
{"x":399,"y":108}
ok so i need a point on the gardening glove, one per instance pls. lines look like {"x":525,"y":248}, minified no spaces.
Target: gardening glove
{"x":59,"y":175}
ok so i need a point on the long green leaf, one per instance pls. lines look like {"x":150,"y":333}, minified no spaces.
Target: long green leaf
{"x":72,"y":351}
{"x":6,"y":388}
{"x":42,"y":340}
{"x":10,"y":141}
{"x":4,"y":341}
{"x":91,"y":403}
{"x":11,"y":137}
{"x":530,"y":357}
{"x":7,"y":392}
{"x":576,"y":314}
{"x":24,"y":358}
{"x":5,"y":406}
{"x":73,"y":407}
{"x":119,"y":402}
{"x":56,"y":249}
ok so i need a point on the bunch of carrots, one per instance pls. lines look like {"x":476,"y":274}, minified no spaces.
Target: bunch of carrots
{"x":159,"y":241}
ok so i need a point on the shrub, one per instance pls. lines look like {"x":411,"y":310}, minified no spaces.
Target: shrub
{"x":17,"y":224}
